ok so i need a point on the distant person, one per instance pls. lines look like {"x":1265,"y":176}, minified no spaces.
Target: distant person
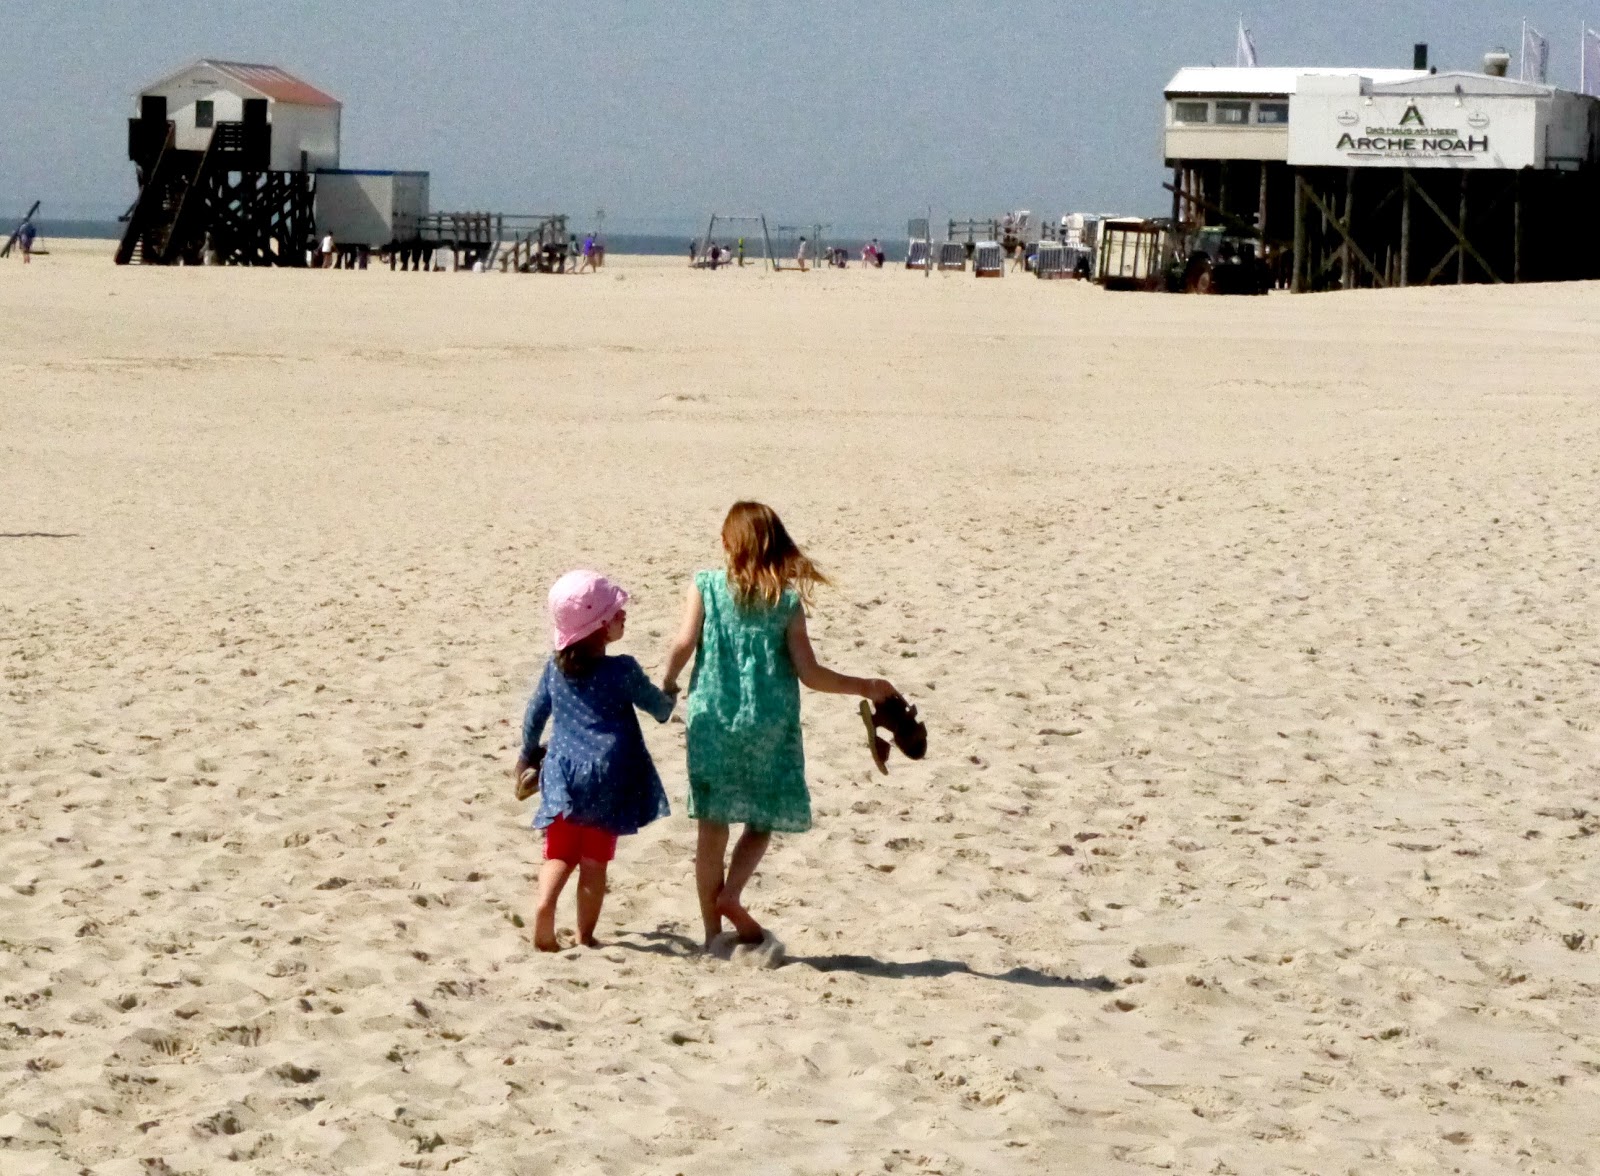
{"x":691,"y":252}
{"x":745,"y":627}
{"x":595,"y":778}
{"x":25,"y":235}
{"x":800,"y":254}
{"x":327,"y":251}
{"x":741,"y":252}
{"x":877,"y":253}
{"x":588,"y":253}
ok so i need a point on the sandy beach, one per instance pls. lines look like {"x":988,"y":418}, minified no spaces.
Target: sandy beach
{"x":1256,"y":637}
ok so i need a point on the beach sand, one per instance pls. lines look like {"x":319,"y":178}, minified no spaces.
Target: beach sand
{"x":1256,"y":638}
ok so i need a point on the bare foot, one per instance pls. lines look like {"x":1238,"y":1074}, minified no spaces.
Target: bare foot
{"x":544,"y":932}
{"x":749,"y":930}
{"x":588,"y":941}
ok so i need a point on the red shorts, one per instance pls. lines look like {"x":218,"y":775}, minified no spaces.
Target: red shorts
{"x":566,"y":842}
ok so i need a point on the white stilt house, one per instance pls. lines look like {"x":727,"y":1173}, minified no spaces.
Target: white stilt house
{"x":226,"y":154}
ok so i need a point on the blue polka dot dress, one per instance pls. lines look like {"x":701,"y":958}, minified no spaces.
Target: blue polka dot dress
{"x":597,"y":770}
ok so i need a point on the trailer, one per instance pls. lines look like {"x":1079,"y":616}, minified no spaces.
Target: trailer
{"x":1130,"y":254}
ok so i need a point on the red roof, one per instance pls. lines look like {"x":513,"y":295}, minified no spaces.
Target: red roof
{"x":272,"y":82}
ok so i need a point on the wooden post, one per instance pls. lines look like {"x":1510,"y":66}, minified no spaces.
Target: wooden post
{"x":1405,"y":228}
{"x":1261,"y":209}
{"x":1297,"y":283}
{"x":1461,"y":257}
{"x":1346,"y":278}
{"x":1177,"y":201}
{"x":1516,"y":229}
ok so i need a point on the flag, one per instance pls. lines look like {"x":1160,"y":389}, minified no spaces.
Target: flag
{"x":1244,"y":53}
{"x":1535,"y":55}
{"x":1590,"y":82}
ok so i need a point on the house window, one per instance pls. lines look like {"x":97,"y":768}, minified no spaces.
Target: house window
{"x":1272,"y":113}
{"x":1234,"y":114}
{"x":1191,"y":112}
{"x":205,"y":114}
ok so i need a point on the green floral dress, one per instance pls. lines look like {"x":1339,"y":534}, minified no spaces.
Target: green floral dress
{"x":746,"y":761}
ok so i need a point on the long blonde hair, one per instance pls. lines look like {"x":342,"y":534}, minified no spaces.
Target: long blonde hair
{"x":762,"y":559}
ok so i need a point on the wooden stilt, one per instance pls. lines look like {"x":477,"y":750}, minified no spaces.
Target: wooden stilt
{"x":1261,"y":208}
{"x":1461,"y":257}
{"x":1516,"y":229}
{"x":1298,"y":270}
{"x":1346,"y":278}
{"x":1405,"y":228}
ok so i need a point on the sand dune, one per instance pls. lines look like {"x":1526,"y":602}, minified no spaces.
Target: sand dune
{"x":1257,"y":641}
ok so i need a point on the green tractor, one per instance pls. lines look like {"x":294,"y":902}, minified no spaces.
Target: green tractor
{"x":1219,"y":262}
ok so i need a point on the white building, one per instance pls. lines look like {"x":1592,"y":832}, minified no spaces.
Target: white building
{"x":1388,"y":176}
{"x":1316,"y":117}
{"x":304,"y":121}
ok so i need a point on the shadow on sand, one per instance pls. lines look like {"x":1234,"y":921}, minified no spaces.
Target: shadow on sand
{"x":669,"y":943}
{"x":863,"y":965}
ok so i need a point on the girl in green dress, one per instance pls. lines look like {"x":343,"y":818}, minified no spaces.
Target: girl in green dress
{"x":745,"y":627}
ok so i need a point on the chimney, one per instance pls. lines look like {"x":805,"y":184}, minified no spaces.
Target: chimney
{"x":1496,"y":62}
{"x":1419,"y":55}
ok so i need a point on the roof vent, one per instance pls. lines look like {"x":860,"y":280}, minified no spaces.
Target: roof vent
{"x":1496,"y":62}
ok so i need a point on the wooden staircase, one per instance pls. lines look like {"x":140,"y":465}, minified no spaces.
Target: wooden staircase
{"x":166,"y":206}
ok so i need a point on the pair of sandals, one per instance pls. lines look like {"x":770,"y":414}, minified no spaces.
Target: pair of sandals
{"x":528,"y":778}
{"x":898,"y":717}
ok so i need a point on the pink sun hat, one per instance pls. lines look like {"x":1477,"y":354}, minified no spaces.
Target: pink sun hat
{"x":582,"y":603}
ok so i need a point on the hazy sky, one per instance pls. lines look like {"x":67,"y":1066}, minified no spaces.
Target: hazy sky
{"x":853,"y":112}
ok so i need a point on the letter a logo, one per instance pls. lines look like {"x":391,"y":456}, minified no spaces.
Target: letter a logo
{"x":1412,"y":115}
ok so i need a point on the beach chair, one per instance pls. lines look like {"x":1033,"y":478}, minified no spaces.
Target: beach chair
{"x":1051,"y":261}
{"x":952,"y":256}
{"x":990,"y":260}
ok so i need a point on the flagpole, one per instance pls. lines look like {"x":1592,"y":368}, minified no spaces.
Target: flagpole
{"x":1522,"y":56}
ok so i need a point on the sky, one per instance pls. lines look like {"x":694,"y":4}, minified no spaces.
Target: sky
{"x":854,"y":113}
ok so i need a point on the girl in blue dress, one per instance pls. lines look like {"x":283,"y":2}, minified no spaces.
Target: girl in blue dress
{"x":596,"y":779}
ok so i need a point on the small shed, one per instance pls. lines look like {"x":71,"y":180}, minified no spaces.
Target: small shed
{"x":371,"y":208}
{"x":304,"y":120}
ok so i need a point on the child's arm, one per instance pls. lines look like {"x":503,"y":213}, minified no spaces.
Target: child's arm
{"x":687,"y":640}
{"x":644,"y":694}
{"x":819,"y":677}
{"x":533,"y":721}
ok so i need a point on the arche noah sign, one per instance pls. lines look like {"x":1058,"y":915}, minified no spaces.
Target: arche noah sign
{"x":1361,"y":130}
{"x":1411,"y":137}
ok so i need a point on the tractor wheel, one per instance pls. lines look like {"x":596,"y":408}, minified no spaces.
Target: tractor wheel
{"x":1200,"y":279}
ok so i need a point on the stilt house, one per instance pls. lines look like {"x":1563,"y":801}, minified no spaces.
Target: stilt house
{"x":1381,"y":177}
{"x":225,"y":153}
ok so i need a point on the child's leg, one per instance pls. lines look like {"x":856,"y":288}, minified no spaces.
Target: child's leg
{"x":747,"y":855}
{"x":591,"y":896}
{"x":553,"y":877}
{"x":708,"y":857}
